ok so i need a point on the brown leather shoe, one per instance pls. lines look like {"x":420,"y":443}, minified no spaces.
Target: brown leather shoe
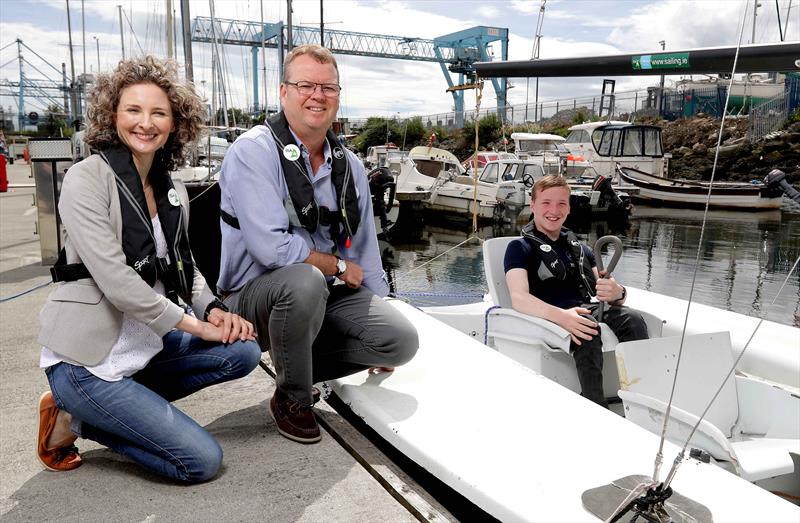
{"x":293,"y":420}
{"x":65,"y":455}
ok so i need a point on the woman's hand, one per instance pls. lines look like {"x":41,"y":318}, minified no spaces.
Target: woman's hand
{"x":232,"y":326}
{"x":227,"y":328}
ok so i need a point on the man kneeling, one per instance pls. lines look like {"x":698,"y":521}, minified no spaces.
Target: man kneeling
{"x":553,"y":276}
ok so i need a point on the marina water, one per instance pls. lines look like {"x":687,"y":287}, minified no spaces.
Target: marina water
{"x":744,"y":260}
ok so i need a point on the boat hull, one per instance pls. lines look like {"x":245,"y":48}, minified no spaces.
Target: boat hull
{"x":694,"y":194}
{"x":518,"y":445}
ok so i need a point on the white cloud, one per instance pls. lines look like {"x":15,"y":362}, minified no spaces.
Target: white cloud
{"x":488,"y":11}
{"x":524,"y":6}
{"x":382,"y":87}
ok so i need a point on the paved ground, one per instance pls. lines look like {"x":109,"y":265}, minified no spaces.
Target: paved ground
{"x":264,"y":476}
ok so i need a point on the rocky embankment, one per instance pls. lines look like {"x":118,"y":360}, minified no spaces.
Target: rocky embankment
{"x":693,"y":141}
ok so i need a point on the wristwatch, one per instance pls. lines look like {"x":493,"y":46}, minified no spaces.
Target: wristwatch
{"x":341,"y":266}
{"x":216,"y":304}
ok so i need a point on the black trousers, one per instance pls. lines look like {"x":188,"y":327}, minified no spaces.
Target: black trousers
{"x":627,"y":324}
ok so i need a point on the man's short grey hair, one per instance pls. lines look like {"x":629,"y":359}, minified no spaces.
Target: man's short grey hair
{"x":317,"y":52}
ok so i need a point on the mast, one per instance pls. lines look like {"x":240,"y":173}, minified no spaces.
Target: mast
{"x":535,"y":56}
{"x":218,"y":76}
{"x":21,"y":100}
{"x":121,"y":32}
{"x":289,"y":26}
{"x":321,"y":24}
{"x":168,"y":18}
{"x":76,"y":111}
{"x":263,"y":59}
{"x":187,"y":40}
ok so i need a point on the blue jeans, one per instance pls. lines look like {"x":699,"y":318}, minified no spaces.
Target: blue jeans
{"x":134,"y":416}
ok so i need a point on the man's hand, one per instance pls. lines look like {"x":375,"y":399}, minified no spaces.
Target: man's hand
{"x":232,"y":326}
{"x":353,"y":276}
{"x":608,"y":290}
{"x":575,"y":322}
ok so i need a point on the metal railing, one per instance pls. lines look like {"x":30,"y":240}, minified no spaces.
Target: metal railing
{"x":767,"y":117}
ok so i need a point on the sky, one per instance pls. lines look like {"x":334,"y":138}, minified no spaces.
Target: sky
{"x":377,"y":86}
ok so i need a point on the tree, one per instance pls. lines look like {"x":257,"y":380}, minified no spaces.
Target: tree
{"x":54,"y":121}
{"x":241,"y":118}
{"x":378,"y":131}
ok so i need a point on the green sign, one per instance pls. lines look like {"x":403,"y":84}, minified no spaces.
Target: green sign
{"x":660,"y":61}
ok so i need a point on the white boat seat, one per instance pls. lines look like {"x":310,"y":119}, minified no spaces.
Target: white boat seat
{"x":522,"y":337}
{"x":753,"y":425}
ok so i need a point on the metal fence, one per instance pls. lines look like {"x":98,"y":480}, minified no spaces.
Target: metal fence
{"x":626,"y":106}
{"x":640,"y":102}
{"x":767,"y":117}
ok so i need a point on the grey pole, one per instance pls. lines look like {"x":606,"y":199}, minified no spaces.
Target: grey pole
{"x":97,"y":41}
{"x":187,"y":40}
{"x":170,"y":48}
{"x":76,"y":109}
{"x":661,"y":84}
{"x":83,"y":33}
{"x":321,"y":24}
{"x":121,"y":32}
{"x":289,"y":26}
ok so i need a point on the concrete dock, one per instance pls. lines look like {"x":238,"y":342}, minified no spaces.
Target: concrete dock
{"x":265,"y":477}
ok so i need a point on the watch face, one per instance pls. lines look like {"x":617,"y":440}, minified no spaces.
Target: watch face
{"x":341,"y":266}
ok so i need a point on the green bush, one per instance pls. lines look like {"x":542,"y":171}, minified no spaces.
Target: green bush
{"x":414,"y":131}
{"x":374,"y":132}
{"x":489,"y":128}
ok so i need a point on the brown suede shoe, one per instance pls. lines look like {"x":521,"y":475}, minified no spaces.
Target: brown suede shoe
{"x":65,"y":455}
{"x":293,"y":420}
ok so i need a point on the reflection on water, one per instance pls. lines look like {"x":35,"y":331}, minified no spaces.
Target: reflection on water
{"x":743,"y":262}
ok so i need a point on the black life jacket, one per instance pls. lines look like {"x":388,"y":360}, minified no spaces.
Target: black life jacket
{"x":138,"y":239}
{"x":304,"y":211}
{"x":552,"y":266}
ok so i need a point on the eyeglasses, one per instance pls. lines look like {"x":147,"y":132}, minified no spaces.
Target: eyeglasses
{"x":308,"y":88}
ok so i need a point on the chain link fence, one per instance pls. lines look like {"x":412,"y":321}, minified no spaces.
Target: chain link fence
{"x":767,"y":117}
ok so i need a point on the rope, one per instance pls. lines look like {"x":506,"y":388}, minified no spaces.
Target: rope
{"x":478,"y":95}
{"x":660,"y":454}
{"x":23,"y":293}
{"x":437,"y":257}
{"x":486,"y":323}
{"x":206,"y":189}
{"x":441,"y":294}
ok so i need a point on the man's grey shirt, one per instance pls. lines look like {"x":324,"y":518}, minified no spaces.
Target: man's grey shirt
{"x":254,"y":190}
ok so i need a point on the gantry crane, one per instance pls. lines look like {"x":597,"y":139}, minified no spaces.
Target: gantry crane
{"x":456,"y":52}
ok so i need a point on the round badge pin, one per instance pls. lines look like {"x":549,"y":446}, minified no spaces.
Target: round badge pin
{"x":545,"y":248}
{"x":172,"y":196}
{"x":338,"y":153}
{"x":291,"y":152}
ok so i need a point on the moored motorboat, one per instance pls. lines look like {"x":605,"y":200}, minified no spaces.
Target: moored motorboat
{"x":690,"y":193}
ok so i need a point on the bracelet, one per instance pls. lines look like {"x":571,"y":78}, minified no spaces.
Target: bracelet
{"x":624,"y":294}
{"x":216,"y":304}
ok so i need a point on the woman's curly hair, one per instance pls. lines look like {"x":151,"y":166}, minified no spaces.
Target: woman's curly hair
{"x":188,"y":112}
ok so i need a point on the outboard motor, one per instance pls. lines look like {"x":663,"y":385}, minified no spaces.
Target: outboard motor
{"x":510,"y":201}
{"x":608,"y":198}
{"x":776,"y":179}
{"x":381,"y":181}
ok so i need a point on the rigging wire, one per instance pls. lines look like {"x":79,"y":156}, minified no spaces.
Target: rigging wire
{"x":130,"y":25}
{"x":660,"y":454}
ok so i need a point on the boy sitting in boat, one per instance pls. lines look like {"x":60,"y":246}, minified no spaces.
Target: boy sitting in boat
{"x":551,"y":275}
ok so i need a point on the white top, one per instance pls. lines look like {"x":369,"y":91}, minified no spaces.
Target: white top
{"x":136,"y":344}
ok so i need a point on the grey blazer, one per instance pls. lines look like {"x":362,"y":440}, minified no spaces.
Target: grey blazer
{"x":81,"y":320}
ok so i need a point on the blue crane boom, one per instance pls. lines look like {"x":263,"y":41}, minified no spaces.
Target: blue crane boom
{"x":455,"y":52}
